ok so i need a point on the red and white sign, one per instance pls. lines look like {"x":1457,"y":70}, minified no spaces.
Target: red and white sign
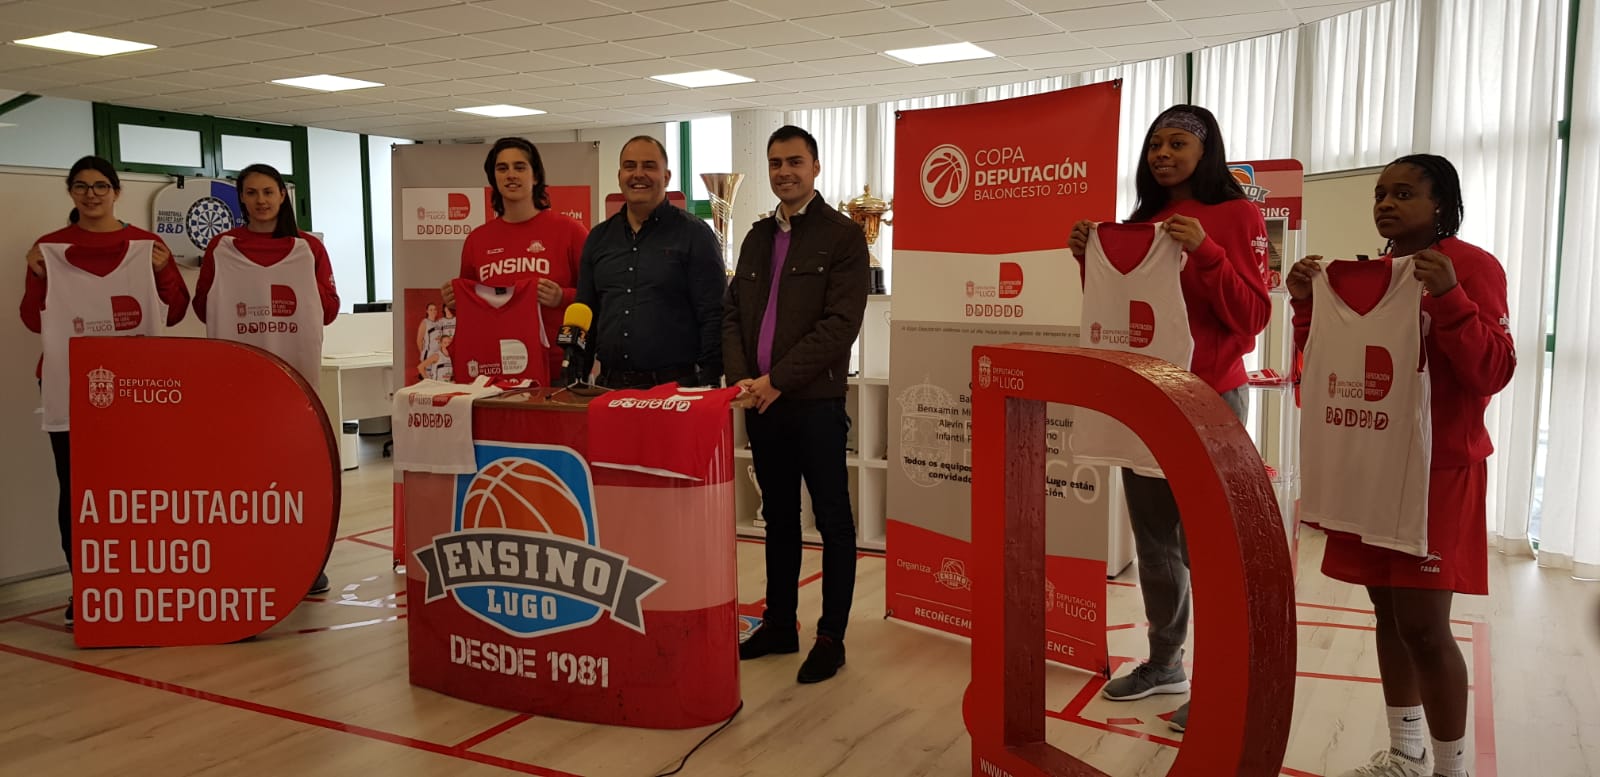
{"x":442,"y":214}
{"x":987,"y":195}
{"x":608,"y":592}
{"x":219,"y":536}
{"x":1276,"y":185}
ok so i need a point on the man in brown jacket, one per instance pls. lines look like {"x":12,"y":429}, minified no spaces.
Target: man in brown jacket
{"x":791,"y":314}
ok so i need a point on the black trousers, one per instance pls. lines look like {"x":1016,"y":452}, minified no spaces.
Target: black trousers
{"x":59,"y":446}
{"x":805,"y":439}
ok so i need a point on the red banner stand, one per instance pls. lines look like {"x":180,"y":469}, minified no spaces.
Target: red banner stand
{"x":1244,"y":699}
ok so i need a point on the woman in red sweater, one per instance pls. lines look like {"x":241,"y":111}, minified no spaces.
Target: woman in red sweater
{"x":1417,"y":207}
{"x":94,"y":258}
{"x":528,"y":241}
{"x":256,"y":283}
{"x":1183,"y":180}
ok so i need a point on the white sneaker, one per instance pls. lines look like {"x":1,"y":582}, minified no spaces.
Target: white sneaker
{"x":1391,"y":763}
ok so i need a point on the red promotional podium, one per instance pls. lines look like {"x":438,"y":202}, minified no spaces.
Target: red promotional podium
{"x":554,"y":585}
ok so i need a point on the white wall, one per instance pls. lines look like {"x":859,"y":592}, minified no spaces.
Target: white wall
{"x":335,"y":159}
{"x":380,"y":162}
{"x":35,"y":202}
{"x":49,"y":132}
{"x":611,"y":140}
{"x":1338,"y":213}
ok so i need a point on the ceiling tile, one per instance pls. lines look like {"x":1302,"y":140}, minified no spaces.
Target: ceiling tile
{"x":1270,"y":21}
{"x":680,"y":44}
{"x":816,"y":49}
{"x":623,"y":27}
{"x":599,"y":53}
{"x":641,"y":86}
{"x":304,"y":12}
{"x":193,"y":79}
{"x":860,"y":23}
{"x":732,"y":60}
{"x":382,"y":29}
{"x":307,"y":41}
{"x":1052,"y":6}
{"x":460,"y":19}
{"x":118,"y":9}
{"x":220,"y":23}
{"x":257,"y":72}
{"x":1000,"y":29}
{"x":389,"y":56}
{"x":789,"y":9}
{"x":1139,"y":52}
{"x":1307,"y":15}
{"x":1038,"y":44}
{"x":769,"y":34}
{"x":1182,"y":10}
{"x":107,"y":68}
{"x":574,"y":92}
{"x":61,"y":18}
{"x":959,"y":11}
{"x":14,"y":57}
{"x":904,"y":39}
{"x":456,"y":69}
{"x":389,"y":6}
{"x":583,"y":75}
{"x":784,"y":72}
{"x":1145,"y":33}
{"x":238,"y":50}
{"x":153,"y":33}
{"x":711,"y":16}
{"x":1060,"y":59}
{"x":517,"y":82}
{"x":524,"y":62}
{"x":859,"y":64}
{"x":544,"y":11}
{"x":645,"y":68}
{"x":1110,"y":16}
{"x":460,"y":47}
{"x":536,"y":37}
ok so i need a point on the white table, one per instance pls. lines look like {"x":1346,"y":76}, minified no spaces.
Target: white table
{"x":354,"y":386}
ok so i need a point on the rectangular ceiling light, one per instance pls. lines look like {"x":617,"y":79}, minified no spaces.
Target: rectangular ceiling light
{"x":327,"y":83}
{"x":501,"y":111}
{"x":701,"y":78}
{"x":79,"y":43}
{"x":932,"y":55}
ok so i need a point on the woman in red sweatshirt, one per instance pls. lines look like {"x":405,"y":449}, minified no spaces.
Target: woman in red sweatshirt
{"x":1417,"y":207}
{"x":1183,"y":181}
{"x":257,"y":282}
{"x":86,"y":280}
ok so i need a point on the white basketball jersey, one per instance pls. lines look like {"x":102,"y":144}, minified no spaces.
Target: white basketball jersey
{"x":277,"y":308}
{"x":433,"y":426}
{"x":1365,"y":429}
{"x":78,"y":303}
{"x":1139,"y":311}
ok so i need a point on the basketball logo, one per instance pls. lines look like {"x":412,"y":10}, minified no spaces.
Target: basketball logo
{"x":522,"y":494}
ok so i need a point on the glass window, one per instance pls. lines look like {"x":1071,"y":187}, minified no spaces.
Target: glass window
{"x":241,"y":151}
{"x":144,"y":144}
{"x":711,"y":145}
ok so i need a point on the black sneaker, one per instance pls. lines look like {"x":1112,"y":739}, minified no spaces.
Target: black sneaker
{"x":824,"y":661}
{"x":66,"y":618}
{"x":321,"y":586}
{"x":766,"y":640}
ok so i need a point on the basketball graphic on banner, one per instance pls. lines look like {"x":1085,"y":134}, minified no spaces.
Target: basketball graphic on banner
{"x":521,"y":494}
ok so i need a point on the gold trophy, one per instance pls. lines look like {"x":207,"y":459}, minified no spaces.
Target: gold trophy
{"x":868,"y":211}
{"x":722,"y":187}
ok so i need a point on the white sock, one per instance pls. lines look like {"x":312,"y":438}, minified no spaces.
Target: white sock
{"x":1407,"y":731}
{"x":1450,"y":758}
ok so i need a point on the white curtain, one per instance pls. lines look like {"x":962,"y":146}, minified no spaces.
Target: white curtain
{"x":1570,"y":531}
{"x":1148,"y":88}
{"x":1495,"y":118}
{"x":1357,"y":87}
{"x":1249,"y":85}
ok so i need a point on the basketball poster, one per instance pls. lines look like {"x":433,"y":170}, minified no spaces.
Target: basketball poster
{"x":987,"y":195}
{"x":551,"y":583}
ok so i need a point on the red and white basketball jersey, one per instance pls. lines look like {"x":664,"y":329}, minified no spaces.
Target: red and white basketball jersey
{"x":1132,"y":302}
{"x":1365,"y":428}
{"x":277,"y":309}
{"x":433,"y":426}
{"x":499,"y":333}
{"x":667,"y":430}
{"x":78,"y":303}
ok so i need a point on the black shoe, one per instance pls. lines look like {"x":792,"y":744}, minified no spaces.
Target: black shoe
{"x":321,"y":586}
{"x":66,"y":618}
{"x":766,"y":640}
{"x":824,"y":661}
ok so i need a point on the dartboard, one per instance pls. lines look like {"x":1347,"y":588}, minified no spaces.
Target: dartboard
{"x":207,"y":218}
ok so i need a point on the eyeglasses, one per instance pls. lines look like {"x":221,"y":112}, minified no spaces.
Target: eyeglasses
{"x":98,"y":187}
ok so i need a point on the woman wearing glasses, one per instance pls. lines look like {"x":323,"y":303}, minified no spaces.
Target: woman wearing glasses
{"x":96,"y":277}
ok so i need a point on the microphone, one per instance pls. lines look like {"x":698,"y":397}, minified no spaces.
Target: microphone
{"x":573,"y":338}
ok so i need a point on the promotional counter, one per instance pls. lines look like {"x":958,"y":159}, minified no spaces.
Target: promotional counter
{"x":586,"y":569}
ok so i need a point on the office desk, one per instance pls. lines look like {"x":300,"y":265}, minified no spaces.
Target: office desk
{"x":355,"y":386}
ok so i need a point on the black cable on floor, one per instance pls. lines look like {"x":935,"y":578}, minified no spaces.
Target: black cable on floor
{"x":685,"y":761}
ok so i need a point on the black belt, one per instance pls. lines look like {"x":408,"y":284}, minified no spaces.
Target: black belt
{"x":620,"y":379}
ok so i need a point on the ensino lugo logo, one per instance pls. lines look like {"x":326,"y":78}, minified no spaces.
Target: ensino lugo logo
{"x":523,"y":554}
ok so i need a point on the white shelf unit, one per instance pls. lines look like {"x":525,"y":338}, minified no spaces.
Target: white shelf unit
{"x":867,"y":404}
{"x":1274,"y":418}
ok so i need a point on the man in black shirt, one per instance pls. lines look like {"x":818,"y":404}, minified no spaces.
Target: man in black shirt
{"x":653,"y":275}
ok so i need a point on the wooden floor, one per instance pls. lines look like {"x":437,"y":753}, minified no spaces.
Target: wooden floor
{"x":325,"y":693}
